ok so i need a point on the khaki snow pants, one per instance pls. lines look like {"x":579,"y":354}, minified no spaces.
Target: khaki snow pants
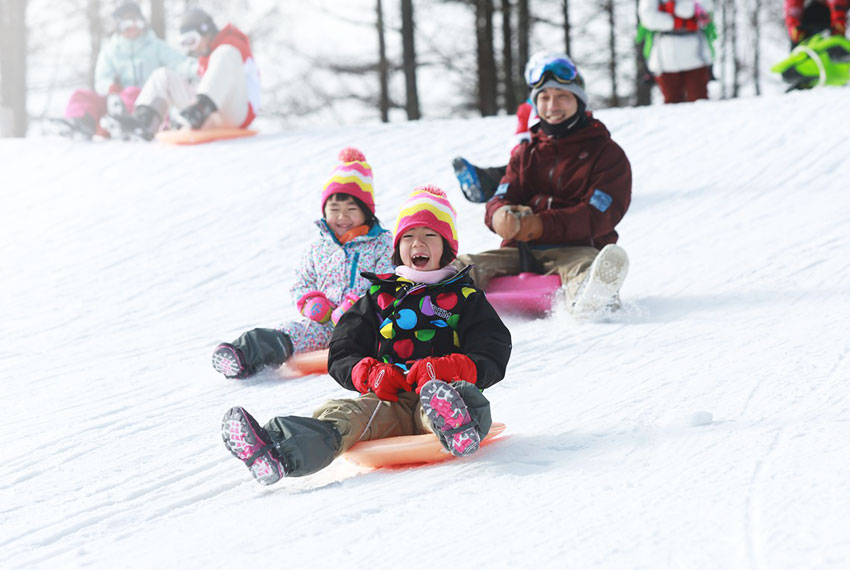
{"x":223,"y":83}
{"x":571,"y":263}
{"x":356,"y":419}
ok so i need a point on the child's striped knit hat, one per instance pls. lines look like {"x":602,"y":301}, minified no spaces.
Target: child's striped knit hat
{"x":353,"y":177}
{"x":430,"y":207}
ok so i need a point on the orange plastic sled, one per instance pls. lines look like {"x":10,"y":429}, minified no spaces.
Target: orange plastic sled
{"x":305,"y":363}
{"x":192,"y":136}
{"x":407,"y":449}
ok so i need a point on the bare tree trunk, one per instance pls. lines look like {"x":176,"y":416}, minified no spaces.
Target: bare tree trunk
{"x":158,"y":17}
{"x":409,"y":59}
{"x":13,"y":67}
{"x":523,"y":32}
{"x":487,"y":81}
{"x":95,"y":35}
{"x":736,"y":63}
{"x":508,"y":80}
{"x":383,"y":67}
{"x":756,"y":46}
{"x":612,"y":47}
{"x":567,"y":28}
{"x":643,"y":86}
{"x":724,"y":19}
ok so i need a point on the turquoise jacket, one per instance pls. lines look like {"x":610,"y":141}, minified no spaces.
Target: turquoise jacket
{"x":132,"y":61}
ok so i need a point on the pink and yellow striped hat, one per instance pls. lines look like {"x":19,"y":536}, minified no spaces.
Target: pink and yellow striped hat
{"x":353,"y":177}
{"x":430,"y":207}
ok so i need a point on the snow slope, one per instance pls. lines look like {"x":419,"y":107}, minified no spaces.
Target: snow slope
{"x":124,"y":264}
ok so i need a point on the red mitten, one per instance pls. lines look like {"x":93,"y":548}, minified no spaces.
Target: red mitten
{"x":384,"y":379}
{"x":360,"y":374}
{"x":449,"y":368}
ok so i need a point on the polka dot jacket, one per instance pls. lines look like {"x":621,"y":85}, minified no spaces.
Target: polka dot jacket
{"x":399,"y":321}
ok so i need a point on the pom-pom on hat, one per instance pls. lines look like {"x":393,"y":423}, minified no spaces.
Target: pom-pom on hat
{"x":428,"y":206}
{"x":353,"y":177}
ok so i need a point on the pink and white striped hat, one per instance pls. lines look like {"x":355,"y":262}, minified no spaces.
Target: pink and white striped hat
{"x":352,"y":177}
{"x":430,"y":207}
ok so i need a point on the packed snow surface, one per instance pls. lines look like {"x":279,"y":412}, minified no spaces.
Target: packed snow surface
{"x":705,"y":426}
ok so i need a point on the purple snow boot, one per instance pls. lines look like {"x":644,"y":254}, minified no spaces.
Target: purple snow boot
{"x":450,"y":418}
{"x":251,"y":444}
{"x":229,"y":360}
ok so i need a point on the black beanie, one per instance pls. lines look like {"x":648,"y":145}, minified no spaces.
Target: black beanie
{"x":127,"y":10}
{"x":197,"y":19}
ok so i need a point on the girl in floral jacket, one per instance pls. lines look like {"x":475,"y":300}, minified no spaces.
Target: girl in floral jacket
{"x":328,"y":280}
{"x":419,"y":347}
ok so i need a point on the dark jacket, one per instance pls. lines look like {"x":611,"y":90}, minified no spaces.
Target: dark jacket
{"x":398,"y":321}
{"x":580,"y":185}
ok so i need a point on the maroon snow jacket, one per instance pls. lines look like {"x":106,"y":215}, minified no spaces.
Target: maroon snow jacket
{"x":580,"y":185}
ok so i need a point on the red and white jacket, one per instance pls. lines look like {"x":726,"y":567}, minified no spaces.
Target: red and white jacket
{"x":679,"y":43}
{"x":231,"y":35}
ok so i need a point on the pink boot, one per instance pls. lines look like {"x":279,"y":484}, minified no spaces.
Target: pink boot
{"x":229,"y":360}
{"x":250,"y":443}
{"x":450,"y":418}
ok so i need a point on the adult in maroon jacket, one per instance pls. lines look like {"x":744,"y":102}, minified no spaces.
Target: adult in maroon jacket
{"x":563,"y":194}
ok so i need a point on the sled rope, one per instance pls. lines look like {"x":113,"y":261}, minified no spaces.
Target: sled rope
{"x":816,"y":58}
{"x":372,"y":417}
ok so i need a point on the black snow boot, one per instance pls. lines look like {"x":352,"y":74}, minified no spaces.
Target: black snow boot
{"x":194,"y":116}
{"x":77,"y":128}
{"x":141,"y":125}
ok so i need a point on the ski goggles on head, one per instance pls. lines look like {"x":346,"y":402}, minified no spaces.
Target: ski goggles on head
{"x":561,"y":70}
{"x":125,"y":24}
{"x":190,"y":40}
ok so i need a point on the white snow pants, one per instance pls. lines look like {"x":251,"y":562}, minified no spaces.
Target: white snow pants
{"x":223,"y":83}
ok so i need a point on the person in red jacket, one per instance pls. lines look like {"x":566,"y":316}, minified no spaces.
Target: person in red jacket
{"x":563,"y":194}
{"x":805,"y":18}
{"x":227,"y":95}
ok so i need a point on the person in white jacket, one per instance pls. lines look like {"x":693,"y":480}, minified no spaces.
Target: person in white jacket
{"x":681,"y":56}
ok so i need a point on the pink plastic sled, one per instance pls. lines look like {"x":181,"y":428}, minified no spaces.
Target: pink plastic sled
{"x":526,"y":294}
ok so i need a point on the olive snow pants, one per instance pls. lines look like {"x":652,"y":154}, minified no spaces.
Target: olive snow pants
{"x":571,"y":263}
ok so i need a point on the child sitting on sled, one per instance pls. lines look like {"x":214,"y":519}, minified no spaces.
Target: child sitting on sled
{"x":328,"y":280}
{"x":419,"y":347}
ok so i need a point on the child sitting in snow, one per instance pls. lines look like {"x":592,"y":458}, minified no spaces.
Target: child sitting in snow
{"x":328,"y":280}
{"x":419,"y":347}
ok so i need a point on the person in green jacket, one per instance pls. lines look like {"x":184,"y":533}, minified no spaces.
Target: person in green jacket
{"x":124,"y":63}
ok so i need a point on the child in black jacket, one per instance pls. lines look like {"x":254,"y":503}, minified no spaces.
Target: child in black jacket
{"x":419,"y":346}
